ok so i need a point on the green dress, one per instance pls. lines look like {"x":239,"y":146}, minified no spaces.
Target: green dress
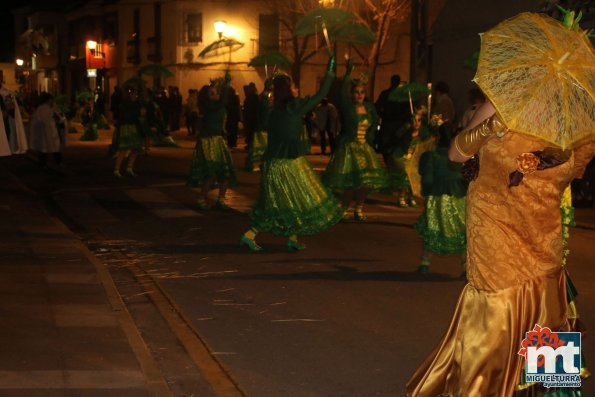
{"x":89,"y":120}
{"x":402,"y":150}
{"x":260,"y":139}
{"x":128,"y":134}
{"x":292,"y":199}
{"x":355,"y":164}
{"x":156,"y":127}
{"x":211,"y":157}
{"x":442,"y":224}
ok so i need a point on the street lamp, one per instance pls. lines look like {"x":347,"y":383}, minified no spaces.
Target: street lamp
{"x":20,"y":62}
{"x":92,"y":45}
{"x":220,"y":27}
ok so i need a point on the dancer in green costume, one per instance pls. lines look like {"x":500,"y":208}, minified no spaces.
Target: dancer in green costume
{"x":211,"y":161}
{"x":442,"y":224}
{"x":406,"y":146}
{"x":259,"y":142}
{"x":355,"y":168}
{"x":128,"y":139}
{"x":89,"y":119}
{"x":292,"y":199}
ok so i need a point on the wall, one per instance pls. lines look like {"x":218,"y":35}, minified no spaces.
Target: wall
{"x":8,"y":76}
{"x":456,"y":36}
{"x":242,"y":23}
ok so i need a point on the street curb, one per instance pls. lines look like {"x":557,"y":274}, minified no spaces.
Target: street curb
{"x":154,"y":378}
{"x":197,"y":349}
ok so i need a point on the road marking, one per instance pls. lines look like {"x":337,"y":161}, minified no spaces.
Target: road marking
{"x":220,"y":381}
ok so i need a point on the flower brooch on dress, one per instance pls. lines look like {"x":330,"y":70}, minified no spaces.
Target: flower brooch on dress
{"x":529,"y":162}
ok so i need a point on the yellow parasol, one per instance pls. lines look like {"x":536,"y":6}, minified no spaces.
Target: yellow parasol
{"x":540,"y":76}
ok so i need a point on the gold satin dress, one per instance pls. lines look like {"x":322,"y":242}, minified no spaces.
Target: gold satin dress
{"x":514,"y":249}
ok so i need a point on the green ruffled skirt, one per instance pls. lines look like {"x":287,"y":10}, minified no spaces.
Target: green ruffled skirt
{"x":355,"y":165}
{"x":127,"y":137}
{"x":397,"y":173}
{"x":442,"y":225}
{"x":211,"y":158}
{"x":90,"y":133}
{"x":259,"y":145}
{"x":164,"y":141}
{"x":293,"y":201}
{"x":305,"y":141}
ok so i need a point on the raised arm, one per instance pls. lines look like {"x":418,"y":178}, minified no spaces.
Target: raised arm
{"x":484,"y":124}
{"x":344,"y":97}
{"x":308,"y":103}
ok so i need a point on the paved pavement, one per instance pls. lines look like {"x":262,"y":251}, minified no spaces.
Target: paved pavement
{"x":64,"y":330}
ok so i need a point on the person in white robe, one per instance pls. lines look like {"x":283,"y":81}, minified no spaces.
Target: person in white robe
{"x":44,"y":133}
{"x":16,"y":134}
{"x":4,"y":146}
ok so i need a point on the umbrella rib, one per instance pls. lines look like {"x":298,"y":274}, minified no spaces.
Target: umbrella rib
{"x":578,"y":83}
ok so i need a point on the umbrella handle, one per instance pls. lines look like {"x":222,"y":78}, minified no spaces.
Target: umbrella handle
{"x":326,"y":36}
{"x":429,"y":102}
{"x":410,"y":102}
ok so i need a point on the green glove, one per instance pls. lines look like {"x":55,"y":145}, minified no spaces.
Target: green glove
{"x":332,"y":65}
{"x":349,"y":67}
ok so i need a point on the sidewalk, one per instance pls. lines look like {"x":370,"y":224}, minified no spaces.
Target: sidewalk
{"x":64,"y":330}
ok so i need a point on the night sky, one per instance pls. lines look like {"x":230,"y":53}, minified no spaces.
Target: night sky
{"x":6,"y":29}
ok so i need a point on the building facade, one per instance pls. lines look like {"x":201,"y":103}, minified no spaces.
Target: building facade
{"x":127,"y":35}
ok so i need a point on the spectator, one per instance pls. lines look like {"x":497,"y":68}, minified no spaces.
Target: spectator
{"x":444,"y":106}
{"x":250,"y":112}
{"x":326,"y":123}
{"x":476,"y":99}
{"x":115,"y":102}
{"x":393,"y":115}
{"x":192,"y":112}
{"x":45,"y":137}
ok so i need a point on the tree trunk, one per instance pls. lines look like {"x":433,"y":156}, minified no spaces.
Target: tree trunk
{"x":375,"y":54}
{"x":414,"y":40}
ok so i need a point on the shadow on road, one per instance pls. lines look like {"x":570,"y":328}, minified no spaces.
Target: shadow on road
{"x":348,"y":276}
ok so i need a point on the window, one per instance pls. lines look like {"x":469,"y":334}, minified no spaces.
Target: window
{"x":193,"y":28}
{"x":268,"y":37}
{"x":133,"y":45}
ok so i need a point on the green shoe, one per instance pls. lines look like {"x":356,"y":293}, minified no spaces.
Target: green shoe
{"x":202,"y":204}
{"x":346,"y":214}
{"x":293,"y":245}
{"x":129,"y":172}
{"x":250,"y":244}
{"x":359,"y":216}
{"x":425,"y":265}
{"x":118,"y":175}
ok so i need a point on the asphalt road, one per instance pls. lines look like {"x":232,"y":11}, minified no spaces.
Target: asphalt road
{"x":349,"y":316}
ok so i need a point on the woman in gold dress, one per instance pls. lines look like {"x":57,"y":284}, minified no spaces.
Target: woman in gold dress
{"x":514,"y":262}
